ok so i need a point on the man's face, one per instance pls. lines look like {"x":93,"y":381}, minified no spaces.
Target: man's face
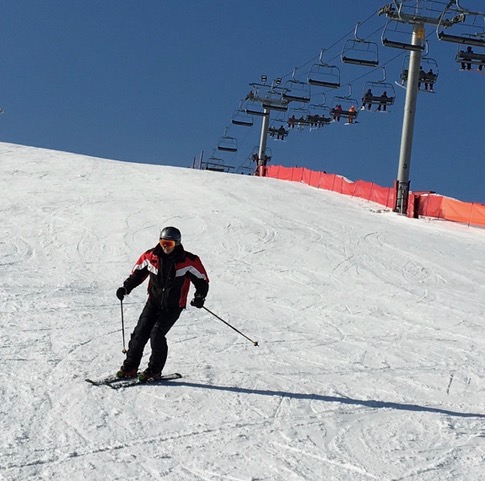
{"x":167,"y":245}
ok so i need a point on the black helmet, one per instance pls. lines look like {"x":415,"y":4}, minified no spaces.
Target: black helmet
{"x":171,"y":233}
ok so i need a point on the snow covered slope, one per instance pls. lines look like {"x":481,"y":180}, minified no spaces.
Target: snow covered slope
{"x":370,"y":329}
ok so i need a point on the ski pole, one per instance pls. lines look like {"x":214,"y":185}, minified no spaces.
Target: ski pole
{"x":124,"y":351}
{"x":255,"y":343}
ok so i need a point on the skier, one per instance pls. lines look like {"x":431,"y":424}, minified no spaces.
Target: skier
{"x":170,"y":269}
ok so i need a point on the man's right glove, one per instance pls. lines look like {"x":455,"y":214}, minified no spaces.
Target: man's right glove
{"x":121,"y":293}
{"x":197,"y":301}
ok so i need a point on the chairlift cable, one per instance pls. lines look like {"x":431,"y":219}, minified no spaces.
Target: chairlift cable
{"x":337,"y":42}
{"x":329,"y":48}
{"x":340,"y":40}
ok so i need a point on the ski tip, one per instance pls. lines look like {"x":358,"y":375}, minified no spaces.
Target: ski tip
{"x":92,"y":381}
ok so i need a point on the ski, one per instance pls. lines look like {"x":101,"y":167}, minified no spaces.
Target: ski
{"x":136,"y":382}
{"x":105,"y":380}
{"x":119,"y":383}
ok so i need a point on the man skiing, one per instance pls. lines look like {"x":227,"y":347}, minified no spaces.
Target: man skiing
{"x":170,"y":269}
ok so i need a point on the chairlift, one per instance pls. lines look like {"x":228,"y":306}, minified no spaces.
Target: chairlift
{"x":278,"y":132}
{"x":266,"y":97}
{"x":280,"y":118}
{"x":379,"y":93}
{"x":215,"y":167}
{"x":254,"y":107}
{"x":319,"y":115}
{"x":245,"y":170}
{"x":417,"y":11}
{"x":358,"y":51}
{"x":345,"y":106}
{"x":227,"y":143}
{"x":324,"y":75}
{"x":296,"y":90}
{"x":256,"y":89}
{"x":254,"y":156}
{"x":216,"y":164}
{"x":298,"y":117}
{"x":242,"y":118}
{"x":274,"y":99}
{"x":396,"y":34}
{"x":468,"y":57}
{"x":428,"y":74}
{"x":468,"y":27}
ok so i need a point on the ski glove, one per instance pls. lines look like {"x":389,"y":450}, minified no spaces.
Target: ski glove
{"x":121,"y":293}
{"x":197,"y":301}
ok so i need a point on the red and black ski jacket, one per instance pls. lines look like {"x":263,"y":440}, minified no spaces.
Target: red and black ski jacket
{"x":170,"y":276}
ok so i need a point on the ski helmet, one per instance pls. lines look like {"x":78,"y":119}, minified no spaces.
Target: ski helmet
{"x":171,"y":233}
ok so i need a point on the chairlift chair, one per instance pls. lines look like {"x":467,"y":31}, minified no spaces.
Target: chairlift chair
{"x":215,"y":167}
{"x":254,"y":156}
{"x":396,"y":34}
{"x":324,"y":75}
{"x":346,"y":102}
{"x":382,"y":95}
{"x":269,"y":96}
{"x":360,"y":52}
{"x":245,"y":170}
{"x":467,"y":27}
{"x":279,"y":117}
{"x":242,"y":118}
{"x":227,"y":143}
{"x":425,"y":11}
{"x":319,"y":115}
{"x":467,"y":57}
{"x":213,"y":158}
{"x":274,"y":99}
{"x":298,"y":117}
{"x":278,"y":131}
{"x":428,"y":75}
{"x":297,"y":91}
{"x":254,"y":107}
{"x":216,"y":164}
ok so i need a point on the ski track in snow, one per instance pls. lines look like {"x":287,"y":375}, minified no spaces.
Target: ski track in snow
{"x":370,"y":364}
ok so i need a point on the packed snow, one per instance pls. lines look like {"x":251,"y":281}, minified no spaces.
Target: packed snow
{"x":370,"y":328}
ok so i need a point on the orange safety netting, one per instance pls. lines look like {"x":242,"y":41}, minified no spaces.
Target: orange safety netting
{"x":430,"y":205}
{"x":471,"y":213}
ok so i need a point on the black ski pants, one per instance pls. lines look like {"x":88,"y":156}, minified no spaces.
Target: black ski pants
{"x":153,"y":325}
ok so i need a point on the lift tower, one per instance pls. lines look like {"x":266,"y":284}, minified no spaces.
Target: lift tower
{"x":267,"y":97}
{"x":402,"y":181}
{"x":415,"y":17}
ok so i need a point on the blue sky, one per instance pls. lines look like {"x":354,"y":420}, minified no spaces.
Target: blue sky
{"x":158,"y":82}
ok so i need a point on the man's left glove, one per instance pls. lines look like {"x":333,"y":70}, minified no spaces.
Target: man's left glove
{"x":121,"y":292}
{"x":197,"y":301}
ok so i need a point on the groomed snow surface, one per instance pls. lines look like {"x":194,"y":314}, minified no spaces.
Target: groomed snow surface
{"x":370,"y":327}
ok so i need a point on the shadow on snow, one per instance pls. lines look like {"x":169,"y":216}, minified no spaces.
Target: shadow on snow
{"x":333,"y":399}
